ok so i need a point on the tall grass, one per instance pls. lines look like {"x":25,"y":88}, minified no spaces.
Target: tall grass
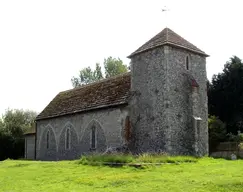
{"x":98,"y":159}
{"x":153,"y":158}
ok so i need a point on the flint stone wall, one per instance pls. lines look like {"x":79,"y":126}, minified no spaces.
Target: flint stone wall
{"x":162,"y":106}
{"x":109,"y":125}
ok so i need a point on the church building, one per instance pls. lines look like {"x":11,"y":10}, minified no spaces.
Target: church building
{"x":160,"y":106}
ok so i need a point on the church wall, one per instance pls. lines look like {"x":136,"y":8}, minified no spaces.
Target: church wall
{"x":109,"y":125}
{"x":180,"y":111}
{"x":30,"y":146}
{"x":148,"y":111}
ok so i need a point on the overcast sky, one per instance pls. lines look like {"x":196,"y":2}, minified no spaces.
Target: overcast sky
{"x":44,"y":43}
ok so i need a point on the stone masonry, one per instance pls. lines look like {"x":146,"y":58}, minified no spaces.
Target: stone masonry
{"x":109,"y":125}
{"x":168,"y":113}
{"x":30,"y":146}
{"x":158,"y":107}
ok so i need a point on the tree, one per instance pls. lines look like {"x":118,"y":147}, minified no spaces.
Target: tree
{"x":217,"y":132}
{"x":225,"y":95}
{"x":87,"y":75}
{"x":112,"y":67}
{"x":16,"y":122}
{"x":1,"y":125}
{"x":13,"y":124}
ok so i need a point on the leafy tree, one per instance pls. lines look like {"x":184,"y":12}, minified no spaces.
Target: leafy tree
{"x":87,"y":75}
{"x":16,"y":122}
{"x":225,"y":95}
{"x":216,"y":128}
{"x":1,"y":125}
{"x":13,"y":124}
{"x":112,"y":67}
{"x":217,"y":131}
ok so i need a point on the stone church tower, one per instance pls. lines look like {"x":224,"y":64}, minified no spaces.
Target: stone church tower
{"x":169,"y":96}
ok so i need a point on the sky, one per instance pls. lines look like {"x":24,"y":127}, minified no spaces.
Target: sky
{"x":43,"y":44}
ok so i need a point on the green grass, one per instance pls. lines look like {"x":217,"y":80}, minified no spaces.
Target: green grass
{"x":97,"y":159}
{"x":214,"y":175}
{"x":147,"y":158}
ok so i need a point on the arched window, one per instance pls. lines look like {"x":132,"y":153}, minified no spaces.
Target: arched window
{"x":93,"y":137}
{"x":68,"y":140}
{"x":187,"y":63}
{"x":47,"y":139}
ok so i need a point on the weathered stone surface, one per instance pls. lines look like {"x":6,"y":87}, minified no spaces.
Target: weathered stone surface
{"x":149,"y":102}
{"x":166,"y":112}
{"x":101,"y":143}
{"x":48,"y":152}
{"x":30,"y":146}
{"x":108,"y":122}
{"x":164,"y":102}
{"x":124,"y":149}
{"x":73,"y":151}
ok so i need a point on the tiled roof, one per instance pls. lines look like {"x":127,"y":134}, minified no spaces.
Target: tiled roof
{"x":30,"y":131}
{"x":168,"y":37}
{"x":105,"y":93}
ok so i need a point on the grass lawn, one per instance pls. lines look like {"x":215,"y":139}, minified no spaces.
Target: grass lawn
{"x":207,"y":174}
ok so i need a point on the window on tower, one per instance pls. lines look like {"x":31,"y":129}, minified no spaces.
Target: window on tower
{"x":187,"y":63}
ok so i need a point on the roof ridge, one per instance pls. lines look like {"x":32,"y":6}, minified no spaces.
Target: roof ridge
{"x":168,"y":36}
{"x":184,"y":40}
{"x":97,"y":82}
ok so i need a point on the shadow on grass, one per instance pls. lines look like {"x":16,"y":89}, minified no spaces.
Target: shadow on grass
{"x":238,"y":186}
{"x":19,"y":165}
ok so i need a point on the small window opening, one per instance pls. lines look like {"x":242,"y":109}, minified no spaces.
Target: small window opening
{"x":68,"y":139}
{"x":187,"y":63}
{"x":93,"y":138}
{"x":47,"y":139}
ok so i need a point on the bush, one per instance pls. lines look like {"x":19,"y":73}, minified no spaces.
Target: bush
{"x":235,"y":138}
{"x":217,"y":132}
{"x":10,"y":147}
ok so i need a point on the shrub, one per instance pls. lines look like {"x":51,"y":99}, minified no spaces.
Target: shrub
{"x":217,"y":132}
{"x":10,"y":147}
{"x":235,"y":138}
{"x":240,"y":146}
